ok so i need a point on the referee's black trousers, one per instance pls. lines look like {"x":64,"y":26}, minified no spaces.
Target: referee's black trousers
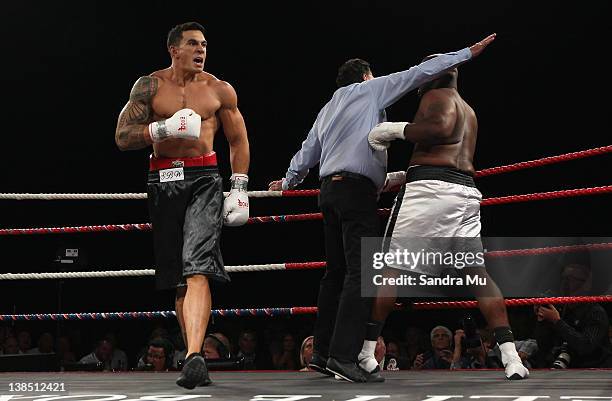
{"x":348,"y":204}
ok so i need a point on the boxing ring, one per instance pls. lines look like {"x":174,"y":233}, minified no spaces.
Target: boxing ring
{"x":293,"y":386}
{"x":439,"y":385}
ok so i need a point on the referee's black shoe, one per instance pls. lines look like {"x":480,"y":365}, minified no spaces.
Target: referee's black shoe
{"x":348,"y":371}
{"x":319,"y":364}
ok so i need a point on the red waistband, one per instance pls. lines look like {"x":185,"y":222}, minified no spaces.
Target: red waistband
{"x":160,"y":163}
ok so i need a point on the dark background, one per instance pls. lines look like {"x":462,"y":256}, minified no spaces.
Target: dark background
{"x":540,"y":89}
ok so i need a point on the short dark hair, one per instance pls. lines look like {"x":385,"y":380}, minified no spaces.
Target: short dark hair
{"x":159,"y":342}
{"x":176,"y":34}
{"x":352,"y":71}
{"x":168,"y":348}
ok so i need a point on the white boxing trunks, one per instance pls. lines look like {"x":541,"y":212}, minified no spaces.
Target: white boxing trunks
{"x":435,"y":203}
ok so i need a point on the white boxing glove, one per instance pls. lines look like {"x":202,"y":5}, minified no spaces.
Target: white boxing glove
{"x":236,"y":205}
{"x":383,"y":133}
{"x":394,"y":181}
{"x":184,"y":124}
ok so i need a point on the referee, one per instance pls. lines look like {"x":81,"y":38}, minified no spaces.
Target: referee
{"x":352,"y":176}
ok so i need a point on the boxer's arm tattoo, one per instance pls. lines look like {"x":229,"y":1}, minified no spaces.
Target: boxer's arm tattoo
{"x":136,"y":114}
{"x":144,"y":89}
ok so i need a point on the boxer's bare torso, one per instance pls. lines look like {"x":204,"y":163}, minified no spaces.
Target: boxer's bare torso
{"x":203,"y":95}
{"x":183,"y":85}
{"x":158,"y":96}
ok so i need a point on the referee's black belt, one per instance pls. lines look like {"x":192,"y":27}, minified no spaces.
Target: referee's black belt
{"x":347,"y":174}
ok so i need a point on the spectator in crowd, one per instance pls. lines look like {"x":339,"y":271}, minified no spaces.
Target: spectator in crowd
{"x":526,"y":349}
{"x":216,"y":346}
{"x":249,"y":349}
{"x":415,"y":343}
{"x":227,"y":352}
{"x":441,"y":357}
{"x":573,"y":335}
{"x":102,"y":354}
{"x":394,"y":360}
{"x":393,"y":349}
{"x":211,"y":345}
{"x":45,"y":344}
{"x":306,"y":353}
{"x":119,"y":357}
{"x":472,"y":356}
{"x":11,"y":346}
{"x":159,"y":356}
{"x":287,"y":357}
{"x":180,"y":351}
{"x":25,"y":341}
{"x":158,"y":332}
{"x":6,"y":332}
{"x":76,"y":342}
{"x":64,"y":351}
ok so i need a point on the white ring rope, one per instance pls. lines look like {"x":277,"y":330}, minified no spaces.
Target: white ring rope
{"x":127,"y":273}
{"x":54,"y":196}
{"x":63,"y":275}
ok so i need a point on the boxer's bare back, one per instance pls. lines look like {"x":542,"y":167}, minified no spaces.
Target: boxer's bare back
{"x":456,"y":143}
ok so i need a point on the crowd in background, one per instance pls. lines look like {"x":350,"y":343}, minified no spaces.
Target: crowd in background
{"x":453,"y":342}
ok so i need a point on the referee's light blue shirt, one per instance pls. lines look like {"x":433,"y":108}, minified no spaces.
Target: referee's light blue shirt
{"x":338,"y":140}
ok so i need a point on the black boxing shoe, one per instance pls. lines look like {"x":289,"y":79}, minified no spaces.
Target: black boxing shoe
{"x":194,"y":372}
{"x":319,"y":364}
{"x":348,"y":371}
